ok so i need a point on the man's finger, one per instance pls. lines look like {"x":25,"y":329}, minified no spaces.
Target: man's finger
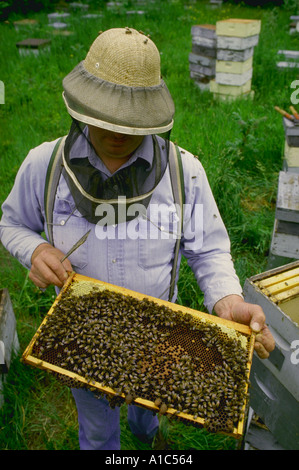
{"x":37,"y":281}
{"x":265,"y":337}
{"x":46,"y":275}
{"x":47,"y":268}
{"x":257,"y":317}
{"x":261,"y":350}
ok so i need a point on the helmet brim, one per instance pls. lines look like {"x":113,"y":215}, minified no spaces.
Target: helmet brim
{"x":119,"y":108}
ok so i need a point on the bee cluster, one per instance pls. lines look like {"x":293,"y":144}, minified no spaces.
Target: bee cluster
{"x":141,"y":349}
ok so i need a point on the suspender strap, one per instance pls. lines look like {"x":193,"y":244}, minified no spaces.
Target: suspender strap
{"x":52,"y":179}
{"x":177,"y":181}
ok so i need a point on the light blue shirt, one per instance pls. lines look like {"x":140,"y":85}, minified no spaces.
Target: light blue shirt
{"x":138,"y":254}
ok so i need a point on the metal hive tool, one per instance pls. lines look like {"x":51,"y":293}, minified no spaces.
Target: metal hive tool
{"x":138,"y":349}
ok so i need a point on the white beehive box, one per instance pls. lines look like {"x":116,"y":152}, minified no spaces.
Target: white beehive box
{"x":235,"y":56}
{"x":202,"y":58}
{"x":237,"y":27}
{"x":285,"y":239}
{"x":277,"y":292}
{"x":25,"y":24}
{"x":276,"y":407}
{"x":287,"y":204}
{"x":234,"y":66}
{"x":234,"y":79}
{"x":291,"y":158}
{"x":291,"y":132}
{"x":204,"y":30}
{"x":8,"y":335}
{"x":33,"y":46}
{"x":237,"y":43}
{"x":230,"y":89}
{"x":9,"y":343}
{"x":58,"y":17}
{"x":236,"y":39}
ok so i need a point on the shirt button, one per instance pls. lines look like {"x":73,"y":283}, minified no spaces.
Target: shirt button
{"x":62,"y":222}
{"x":114,"y":260}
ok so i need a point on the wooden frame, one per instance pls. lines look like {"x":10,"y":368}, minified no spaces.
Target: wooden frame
{"x":28,"y":358}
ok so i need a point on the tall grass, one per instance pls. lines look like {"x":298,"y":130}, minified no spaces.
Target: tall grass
{"x":240,"y":145}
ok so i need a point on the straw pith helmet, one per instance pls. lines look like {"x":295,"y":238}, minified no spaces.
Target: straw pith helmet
{"x":119,"y":87}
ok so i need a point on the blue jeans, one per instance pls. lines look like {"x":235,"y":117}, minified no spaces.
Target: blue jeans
{"x":99,"y":425}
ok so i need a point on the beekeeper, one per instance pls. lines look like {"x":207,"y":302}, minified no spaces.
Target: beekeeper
{"x":115,"y":179}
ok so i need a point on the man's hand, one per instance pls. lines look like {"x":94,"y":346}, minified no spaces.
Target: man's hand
{"x":234,"y":308}
{"x":46,"y":267}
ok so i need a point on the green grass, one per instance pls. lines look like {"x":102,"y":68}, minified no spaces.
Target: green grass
{"x":240,"y":145}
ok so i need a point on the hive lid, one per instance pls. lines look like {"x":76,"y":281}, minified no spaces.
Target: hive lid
{"x":33,"y":43}
{"x":237,"y":27}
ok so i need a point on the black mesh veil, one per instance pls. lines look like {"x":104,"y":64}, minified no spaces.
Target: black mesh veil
{"x":132,"y":184}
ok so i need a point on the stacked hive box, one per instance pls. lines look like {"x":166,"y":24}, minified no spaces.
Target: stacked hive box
{"x":26,"y":23}
{"x":291,"y":157}
{"x":286,"y":226}
{"x":291,"y":147}
{"x":57,"y":20}
{"x":294,"y":27}
{"x":202,"y":58}
{"x":236,"y":39}
{"x":33,"y":46}
{"x":215,"y":3}
{"x":274,"y":391}
{"x":285,"y":237}
{"x":9,"y":342}
{"x":79,"y":6}
{"x":290,"y":60}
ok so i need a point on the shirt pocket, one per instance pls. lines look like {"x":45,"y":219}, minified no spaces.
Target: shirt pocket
{"x":157,"y":236}
{"x":68,"y":227}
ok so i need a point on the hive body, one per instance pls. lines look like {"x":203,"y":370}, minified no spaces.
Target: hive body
{"x":275,"y":381}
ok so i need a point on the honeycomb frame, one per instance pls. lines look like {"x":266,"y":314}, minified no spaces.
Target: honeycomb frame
{"x":172,"y":349}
